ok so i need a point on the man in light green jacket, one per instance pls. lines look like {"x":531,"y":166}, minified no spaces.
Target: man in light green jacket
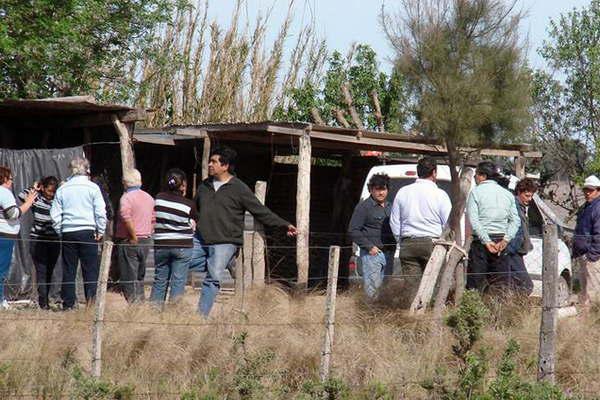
{"x":494,"y":217}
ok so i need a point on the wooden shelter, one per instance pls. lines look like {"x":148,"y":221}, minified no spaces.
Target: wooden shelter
{"x":311,"y":146}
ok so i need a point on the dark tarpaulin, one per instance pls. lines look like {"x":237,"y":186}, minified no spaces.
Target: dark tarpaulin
{"x":27,"y":167}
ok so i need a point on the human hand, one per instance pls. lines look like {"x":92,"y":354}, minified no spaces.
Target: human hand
{"x":37,"y":186}
{"x":491,"y":247}
{"x":501,"y":245}
{"x":133,"y":240}
{"x":98,"y":237}
{"x":31,"y":196}
{"x":292,"y":230}
{"x":374,"y":251}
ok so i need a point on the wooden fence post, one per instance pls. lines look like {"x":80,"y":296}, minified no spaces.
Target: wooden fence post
{"x":429,"y":279}
{"x":100,"y":304}
{"x":303,"y":210}
{"x":247,"y":253}
{"x":334,"y":263}
{"x":547,"y":354}
{"x":258,"y":248}
{"x":205,"y":157}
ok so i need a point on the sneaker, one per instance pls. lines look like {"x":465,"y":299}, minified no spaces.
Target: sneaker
{"x":4,"y":305}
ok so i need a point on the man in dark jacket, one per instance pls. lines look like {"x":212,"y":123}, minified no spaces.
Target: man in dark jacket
{"x":586,"y":242}
{"x":221,"y":202}
{"x":370,"y":230}
{"x":518,"y":278}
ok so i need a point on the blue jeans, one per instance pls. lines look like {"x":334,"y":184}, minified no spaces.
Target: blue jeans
{"x":374,"y":269}
{"x":212,"y":259}
{"x":6,"y":252}
{"x":170,"y":265}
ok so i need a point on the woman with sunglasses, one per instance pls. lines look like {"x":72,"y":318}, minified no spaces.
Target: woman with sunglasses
{"x":9,"y":224}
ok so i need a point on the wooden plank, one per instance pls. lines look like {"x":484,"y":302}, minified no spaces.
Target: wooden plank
{"x":103,"y":118}
{"x":258,"y":246}
{"x":192,"y":132}
{"x":548,"y":325}
{"x":125,"y":135}
{"x":285,"y":130}
{"x":372,"y":144}
{"x":205,"y":157}
{"x":428,"y":280}
{"x":303,"y":210}
{"x":332,"y":277}
{"x":164,"y":140}
{"x":100,"y":305}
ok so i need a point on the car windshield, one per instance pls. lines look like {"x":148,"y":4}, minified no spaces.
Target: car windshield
{"x":397,"y":183}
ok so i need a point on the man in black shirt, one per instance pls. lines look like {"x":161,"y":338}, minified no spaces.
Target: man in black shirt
{"x":222,"y":201}
{"x":370,"y":230}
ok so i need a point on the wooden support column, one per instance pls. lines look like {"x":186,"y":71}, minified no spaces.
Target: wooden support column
{"x":100,"y":305}
{"x":332,"y":277}
{"x":125,"y":139}
{"x":303,"y":210}
{"x":520,"y":167}
{"x":258,"y":247}
{"x":547,"y":354}
{"x":247,"y":250}
{"x":205,"y":157}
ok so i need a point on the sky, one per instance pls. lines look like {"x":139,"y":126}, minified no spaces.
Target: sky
{"x":343,"y":22}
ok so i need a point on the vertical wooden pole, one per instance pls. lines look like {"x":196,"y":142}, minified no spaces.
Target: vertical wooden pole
{"x":125,"y":136}
{"x":100,"y":304}
{"x":205,"y":157}
{"x":548,"y":324}
{"x":258,"y":247}
{"x":303,"y":210}
{"x":248,"y":244}
{"x":334,"y":263}
{"x":520,"y":167}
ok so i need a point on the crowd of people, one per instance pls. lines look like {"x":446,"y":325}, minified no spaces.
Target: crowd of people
{"x":415,"y":219}
{"x":69,"y":221}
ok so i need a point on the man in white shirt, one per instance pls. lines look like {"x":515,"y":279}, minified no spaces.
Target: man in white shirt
{"x":419,"y":213}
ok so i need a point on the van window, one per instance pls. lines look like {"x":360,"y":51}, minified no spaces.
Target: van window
{"x":398,"y":183}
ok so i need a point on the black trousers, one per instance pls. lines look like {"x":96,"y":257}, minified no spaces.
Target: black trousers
{"x":79,"y":246}
{"x":44,"y":255}
{"x":517,"y":276}
{"x":485,"y":268}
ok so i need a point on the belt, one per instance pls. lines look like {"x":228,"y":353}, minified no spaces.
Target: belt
{"x":419,"y":237}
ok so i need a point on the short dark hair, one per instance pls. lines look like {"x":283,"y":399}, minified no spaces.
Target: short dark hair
{"x":48,"y":181}
{"x":227,"y":155}
{"x":5,"y":174}
{"x":379,"y":180}
{"x":426,"y":166}
{"x":526,"y":185}
{"x":175,"y":179}
{"x":488,"y":169}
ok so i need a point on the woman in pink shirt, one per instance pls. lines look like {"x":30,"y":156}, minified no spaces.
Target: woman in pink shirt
{"x":134,"y":235}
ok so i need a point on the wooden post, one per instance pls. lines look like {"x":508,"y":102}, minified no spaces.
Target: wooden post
{"x":124,"y":131}
{"x":303,"y":210}
{"x":429,"y":279}
{"x":239,"y":280}
{"x":334,"y":263}
{"x":258,"y":247}
{"x":520,"y":167}
{"x":205,"y":157}
{"x":248,"y":244}
{"x":100,"y":303}
{"x":547,"y":354}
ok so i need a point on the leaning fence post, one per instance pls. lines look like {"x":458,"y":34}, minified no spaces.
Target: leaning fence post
{"x":100,"y":303}
{"x":547,"y":354}
{"x":258,"y":248}
{"x":334,"y":263}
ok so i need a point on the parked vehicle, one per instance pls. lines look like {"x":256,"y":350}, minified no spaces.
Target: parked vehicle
{"x":539,"y":213}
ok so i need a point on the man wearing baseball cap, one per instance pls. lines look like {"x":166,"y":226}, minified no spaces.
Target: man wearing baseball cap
{"x":586,"y":242}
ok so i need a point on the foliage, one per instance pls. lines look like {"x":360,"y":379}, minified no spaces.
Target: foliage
{"x":466,"y":322}
{"x":361,"y":71}
{"x":89,"y":388}
{"x":61,"y":48}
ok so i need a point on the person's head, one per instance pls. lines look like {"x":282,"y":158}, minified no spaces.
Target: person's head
{"x":79,"y":166}
{"x":6,"y":177}
{"x":132,"y":178}
{"x":222,"y":161}
{"x":379,"y":185}
{"x":176,"y":181}
{"x":485,"y":170}
{"x":427,"y":168}
{"x":591,"y":188}
{"x":525,"y":190}
{"x":48,"y":187}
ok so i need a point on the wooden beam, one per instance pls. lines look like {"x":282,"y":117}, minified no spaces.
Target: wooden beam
{"x":125,"y":138}
{"x":164,"y":140}
{"x":99,"y":119}
{"x":193,"y":132}
{"x":303,"y":210}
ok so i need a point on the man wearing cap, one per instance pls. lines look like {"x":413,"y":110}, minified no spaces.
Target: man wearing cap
{"x":586,"y":242}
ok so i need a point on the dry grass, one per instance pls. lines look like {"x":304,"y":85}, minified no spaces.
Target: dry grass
{"x":372,"y":344}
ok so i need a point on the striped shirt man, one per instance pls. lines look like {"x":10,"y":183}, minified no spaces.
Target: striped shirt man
{"x":42,"y":223}
{"x":175,"y":221}
{"x":9,"y":214}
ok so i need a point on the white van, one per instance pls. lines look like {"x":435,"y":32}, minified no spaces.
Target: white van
{"x":539,"y":213}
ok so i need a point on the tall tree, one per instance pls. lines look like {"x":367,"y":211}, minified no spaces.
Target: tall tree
{"x":466,"y":74}
{"x":60,"y":48}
